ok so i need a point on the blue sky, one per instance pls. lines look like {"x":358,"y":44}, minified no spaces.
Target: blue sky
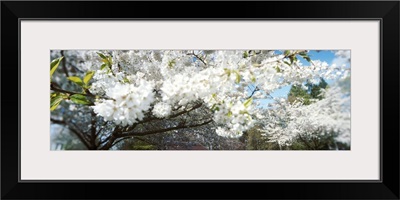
{"x":323,"y":55}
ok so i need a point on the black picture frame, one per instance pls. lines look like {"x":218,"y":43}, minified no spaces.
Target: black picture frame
{"x":386,"y":11}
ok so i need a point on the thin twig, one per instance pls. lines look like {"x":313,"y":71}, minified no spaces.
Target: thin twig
{"x":88,"y":94}
{"x":198,"y":57}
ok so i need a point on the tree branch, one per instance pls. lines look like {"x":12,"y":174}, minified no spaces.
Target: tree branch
{"x":56,"y":89}
{"x":180,"y":126}
{"x":93,"y":130}
{"x":120,"y":140}
{"x":254,"y":91}
{"x":56,"y":121}
{"x":82,"y":136}
{"x":64,"y":66}
{"x":78,"y":133}
{"x":150,"y":119}
{"x":88,"y":94}
{"x":198,"y":57}
{"x":186,"y":111}
{"x":111,"y":140}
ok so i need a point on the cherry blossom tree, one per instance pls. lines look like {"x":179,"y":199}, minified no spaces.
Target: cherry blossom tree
{"x":107,"y":97}
{"x":287,"y":121}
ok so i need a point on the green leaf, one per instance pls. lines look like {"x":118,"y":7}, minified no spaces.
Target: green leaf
{"x":109,"y":58}
{"x":54,"y":64}
{"x":243,"y":112}
{"x":103,"y":66}
{"x":248,"y":102}
{"x":286,"y":62}
{"x":213,"y":107}
{"x":229,"y":114}
{"x":245,"y":54}
{"x":76,"y":80}
{"x":278,"y":70}
{"x":171,"y":63}
{"x":126,"y":80}
{"x":88,"y":76}
{"x":253,"y":79}
{"x":102,"y":55}
{"x":286,"y":53}
{"x":227,"y":71}
{"x":55,"y":100}
{"x":291,"y":59}
{"x":53,"y":95}
{"x":237,"y":77}
{"x":303,"y":53}
{"x":307,"y":58}
{"x":80,"y":99}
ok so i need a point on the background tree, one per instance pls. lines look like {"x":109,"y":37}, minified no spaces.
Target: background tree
{"x":307,"y":92}
{"x":307,"y":125}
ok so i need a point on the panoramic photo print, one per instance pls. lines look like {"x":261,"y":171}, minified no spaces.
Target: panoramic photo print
{"x":200,"y":99}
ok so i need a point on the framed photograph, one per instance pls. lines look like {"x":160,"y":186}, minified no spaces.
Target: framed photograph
{"x":300,"y":96}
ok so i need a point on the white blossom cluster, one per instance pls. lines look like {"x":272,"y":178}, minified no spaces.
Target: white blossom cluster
{"x":128,"y":104}
{"x":185,"y":88}
{"x":141,"y":82}
{"x":162,"y":110}
{"x":233,"y":115}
